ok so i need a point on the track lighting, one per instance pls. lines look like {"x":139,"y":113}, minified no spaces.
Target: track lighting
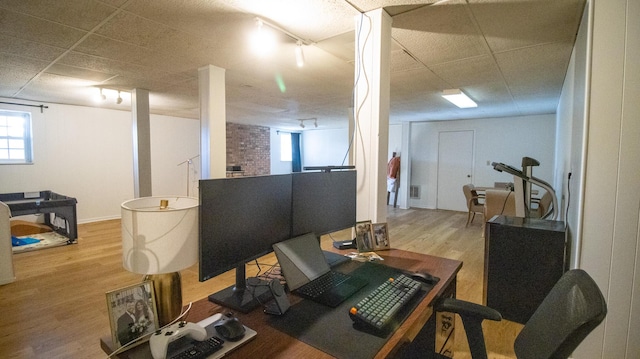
{"x":119,"y":99}
{"x":299,"y":54}
{"x":315,"y":122}
{"x":263,"y":41}
{"x":103,"y":97}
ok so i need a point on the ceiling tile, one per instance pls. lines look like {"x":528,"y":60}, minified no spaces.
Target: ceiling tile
{"x":70,"y":71}
{"x":79,"y":14}
{"x":26,"y":27}
{"x":447,"y":29}
{"x":470,"y":71}
{"x":28,"y":49}
{"x":514,"y":24}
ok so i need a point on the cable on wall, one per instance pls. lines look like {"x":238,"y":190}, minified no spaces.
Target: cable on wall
{"x":360,"y":70}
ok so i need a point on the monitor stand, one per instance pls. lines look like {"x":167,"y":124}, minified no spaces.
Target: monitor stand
{"x":242,"y":297}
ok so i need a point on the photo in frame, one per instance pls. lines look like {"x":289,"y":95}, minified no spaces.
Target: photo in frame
{"x":132,"y":313}
{"x":364,"y":236}
{"x":380,"y":236}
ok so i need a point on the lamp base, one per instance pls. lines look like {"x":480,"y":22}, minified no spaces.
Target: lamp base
{"x":168,"y":293}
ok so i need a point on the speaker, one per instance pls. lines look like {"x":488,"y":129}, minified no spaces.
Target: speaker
{"x":280,"y":304}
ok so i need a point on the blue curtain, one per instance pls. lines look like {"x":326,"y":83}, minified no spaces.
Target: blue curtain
{"x":296,"y":162}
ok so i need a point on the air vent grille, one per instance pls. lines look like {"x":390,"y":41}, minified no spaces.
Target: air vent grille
{"x":414,"y":191}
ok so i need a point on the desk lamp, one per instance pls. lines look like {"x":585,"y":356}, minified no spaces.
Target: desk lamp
{"x":160,"y":238}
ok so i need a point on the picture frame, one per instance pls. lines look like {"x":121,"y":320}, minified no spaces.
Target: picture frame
{"x":132,"y":313}
{"x":364,"y":236}
{"x":380,"y":236}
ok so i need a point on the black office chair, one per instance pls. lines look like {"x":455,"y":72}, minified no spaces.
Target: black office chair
{"x":572,"y":309}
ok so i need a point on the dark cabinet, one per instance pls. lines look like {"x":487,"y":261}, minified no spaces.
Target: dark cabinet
{"x":524,"y":258}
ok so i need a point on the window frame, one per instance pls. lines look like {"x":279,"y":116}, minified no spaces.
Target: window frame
{"x":26,"y":138}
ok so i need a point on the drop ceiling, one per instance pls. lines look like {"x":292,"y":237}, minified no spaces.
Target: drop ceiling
{"x":510,"y":56}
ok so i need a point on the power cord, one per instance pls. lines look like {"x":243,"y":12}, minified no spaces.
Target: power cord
{"x":504,"y":204}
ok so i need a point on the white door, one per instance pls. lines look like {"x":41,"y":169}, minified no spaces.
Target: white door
{"x":455,"y":166}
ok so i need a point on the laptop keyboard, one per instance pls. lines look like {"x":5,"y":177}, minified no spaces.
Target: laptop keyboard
{"x":320,"y":285}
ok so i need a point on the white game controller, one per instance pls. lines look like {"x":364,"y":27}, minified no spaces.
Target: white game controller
{"x":160,"y":340}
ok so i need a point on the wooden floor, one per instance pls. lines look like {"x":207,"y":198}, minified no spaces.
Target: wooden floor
{"x":57,"y":307}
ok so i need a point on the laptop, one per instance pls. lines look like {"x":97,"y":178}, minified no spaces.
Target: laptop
{"x":308,"y":274}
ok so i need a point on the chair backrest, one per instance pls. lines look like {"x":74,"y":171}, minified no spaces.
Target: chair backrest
{"x":499,"y":202}
{"x":470,"y":195}
{"x":545,"y":205}
{"x":572,"y":309}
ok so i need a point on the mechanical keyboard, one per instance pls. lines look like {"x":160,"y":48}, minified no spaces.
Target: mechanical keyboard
{"x":379,"y":308}
{"x":200,"y":350}
{"x":318,"y":286}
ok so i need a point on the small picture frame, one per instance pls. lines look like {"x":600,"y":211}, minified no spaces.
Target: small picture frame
{"x":132,"y":313}
{"x":380,"y":236}
{"x":364,"y":236}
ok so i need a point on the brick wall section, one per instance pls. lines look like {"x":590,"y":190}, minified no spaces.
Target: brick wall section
{"x":249,"y":147}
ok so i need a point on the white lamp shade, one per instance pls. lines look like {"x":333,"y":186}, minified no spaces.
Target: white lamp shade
{"x":156,"y":240}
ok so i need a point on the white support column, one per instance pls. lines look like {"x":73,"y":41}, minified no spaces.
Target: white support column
{"x":141,"y":143}
{"x":213,"y":122}
{"x":405,"y":166}
{"x":371,"y":107}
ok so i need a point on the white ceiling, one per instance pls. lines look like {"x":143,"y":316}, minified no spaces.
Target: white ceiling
{"x":510,"y":56}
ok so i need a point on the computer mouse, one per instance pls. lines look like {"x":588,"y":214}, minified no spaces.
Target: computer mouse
{"x":230,"y":329}
{"x":424,"y":277}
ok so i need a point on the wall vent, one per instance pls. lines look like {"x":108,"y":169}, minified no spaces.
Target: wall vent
{"x":414,"y":192}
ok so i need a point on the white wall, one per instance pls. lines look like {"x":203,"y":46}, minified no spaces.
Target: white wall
{"x":611,"y":208}
{"x":325,"y":147}
{"x":87,"y":153}
{"x":504,"y":140}
{"x":570,"y":140}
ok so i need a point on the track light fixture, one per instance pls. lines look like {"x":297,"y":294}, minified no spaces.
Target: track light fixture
{"x":101,"y":94}
{"x":264,"y":41}
{"x":299,"y":54}
{"x":315,"y":122}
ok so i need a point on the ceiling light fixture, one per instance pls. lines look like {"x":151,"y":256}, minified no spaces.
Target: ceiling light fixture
{"x":299,"y":54}
{"x":315,"y":122}
{"x":263,"y":41}
{"x":119,"y":99}
{"x":458,"y":98}
{"x":103,"y":97}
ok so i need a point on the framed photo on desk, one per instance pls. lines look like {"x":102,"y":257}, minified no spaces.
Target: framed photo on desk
{"x":380,"y":236}
{"x":364,"y":236}
{"x":132,"y":313}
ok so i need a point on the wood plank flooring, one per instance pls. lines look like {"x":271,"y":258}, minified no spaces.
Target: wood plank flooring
{"x":57,"y":307}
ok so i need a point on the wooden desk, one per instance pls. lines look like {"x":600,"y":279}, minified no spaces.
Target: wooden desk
{"x":271,"y":343}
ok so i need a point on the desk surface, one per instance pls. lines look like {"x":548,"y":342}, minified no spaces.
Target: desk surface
{"x":271,"y":343}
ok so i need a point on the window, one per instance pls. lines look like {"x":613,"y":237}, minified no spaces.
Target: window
{"x":285,"y":146}
{"x":15,"y":137}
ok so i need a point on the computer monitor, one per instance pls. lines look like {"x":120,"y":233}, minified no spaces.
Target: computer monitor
{"x":240,"y":219}
{"x":323,"y":202}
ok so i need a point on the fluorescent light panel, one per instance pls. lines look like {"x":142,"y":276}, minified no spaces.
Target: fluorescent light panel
{"x":458,"y":98}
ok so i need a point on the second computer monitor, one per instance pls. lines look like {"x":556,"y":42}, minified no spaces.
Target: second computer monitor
{"x":323,"y":202}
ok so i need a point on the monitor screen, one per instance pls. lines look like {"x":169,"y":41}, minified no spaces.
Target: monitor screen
{"x":240,"y":219}
{"x":323,"y":202}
